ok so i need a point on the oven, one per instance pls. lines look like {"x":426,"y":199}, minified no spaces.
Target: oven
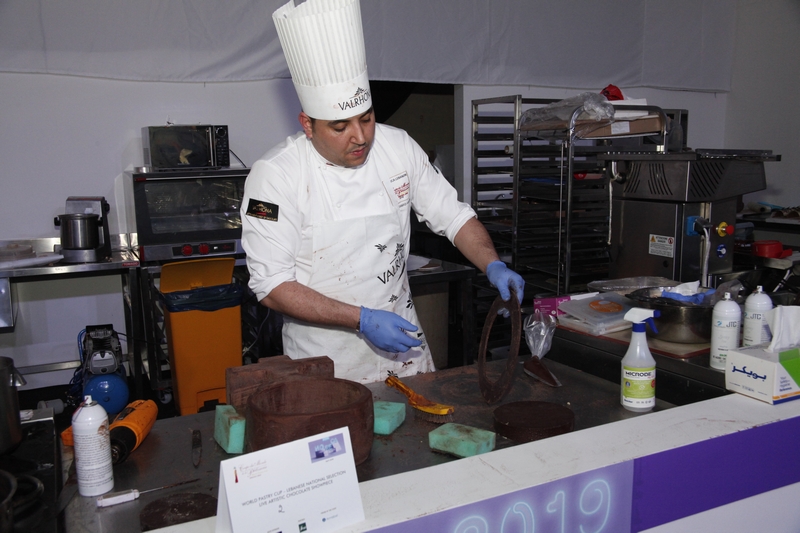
{"x":187,"y":214}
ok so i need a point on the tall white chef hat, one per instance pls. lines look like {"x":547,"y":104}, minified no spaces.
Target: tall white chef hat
{"x":323,"y":42}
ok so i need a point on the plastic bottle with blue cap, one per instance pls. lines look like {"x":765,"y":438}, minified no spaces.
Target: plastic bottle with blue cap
{"x":638,"y":384}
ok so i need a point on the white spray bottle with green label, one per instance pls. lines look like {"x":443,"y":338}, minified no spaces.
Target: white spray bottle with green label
{"x":638,"y":385}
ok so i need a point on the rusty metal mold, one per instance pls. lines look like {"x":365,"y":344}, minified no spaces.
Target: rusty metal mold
{"x":529,"y":420}
{"x":294,"y":409}
{"x":494,"y":392}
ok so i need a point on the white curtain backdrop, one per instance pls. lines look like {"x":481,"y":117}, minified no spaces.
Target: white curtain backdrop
{"x":675,"y":44}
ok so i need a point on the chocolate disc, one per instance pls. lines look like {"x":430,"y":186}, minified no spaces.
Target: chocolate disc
{"x":177,"y":509}
{"x":528,"y":421}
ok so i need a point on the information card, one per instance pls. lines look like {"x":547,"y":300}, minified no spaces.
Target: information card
{"x":306,"y":485}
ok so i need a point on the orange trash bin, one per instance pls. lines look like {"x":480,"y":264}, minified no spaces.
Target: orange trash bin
{"x":202,"y":318}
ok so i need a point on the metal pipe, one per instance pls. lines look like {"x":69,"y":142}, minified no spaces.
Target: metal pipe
{"x":570,"y":171}
{"x":615,"y":175}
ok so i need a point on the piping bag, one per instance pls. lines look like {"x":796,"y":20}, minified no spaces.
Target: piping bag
{"x":539,"y":328}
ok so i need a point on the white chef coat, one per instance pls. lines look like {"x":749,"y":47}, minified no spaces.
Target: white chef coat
{"x":299,"y":191}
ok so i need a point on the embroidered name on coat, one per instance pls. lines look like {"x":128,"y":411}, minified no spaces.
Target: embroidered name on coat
{"x":401,"y":188}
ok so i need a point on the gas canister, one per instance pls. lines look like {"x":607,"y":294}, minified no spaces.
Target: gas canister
{"x":92,"y":443}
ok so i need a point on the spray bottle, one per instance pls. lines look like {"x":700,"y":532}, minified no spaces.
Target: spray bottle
{"x":638,"y":384}
{"x":756,"y":328}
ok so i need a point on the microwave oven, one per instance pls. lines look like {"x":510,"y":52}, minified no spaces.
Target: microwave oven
{"x":176,"y":147}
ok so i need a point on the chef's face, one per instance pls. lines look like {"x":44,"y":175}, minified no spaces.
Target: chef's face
{"x":342,"y":142}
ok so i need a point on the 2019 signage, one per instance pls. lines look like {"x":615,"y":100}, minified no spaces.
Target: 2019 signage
{"x":598,"y":501}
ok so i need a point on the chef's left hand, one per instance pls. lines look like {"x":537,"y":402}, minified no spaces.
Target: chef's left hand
{"x":505,"y":279}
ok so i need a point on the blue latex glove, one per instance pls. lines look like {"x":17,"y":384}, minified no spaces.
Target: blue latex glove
{"x":505,"y":279}
{"x":387,"y":330}
{"x":698,"y":298}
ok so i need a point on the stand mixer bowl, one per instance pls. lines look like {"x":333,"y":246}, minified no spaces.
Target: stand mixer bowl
{"x":79,"y":231}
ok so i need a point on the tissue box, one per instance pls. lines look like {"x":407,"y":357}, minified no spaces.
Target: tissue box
{"x":766,"y":376}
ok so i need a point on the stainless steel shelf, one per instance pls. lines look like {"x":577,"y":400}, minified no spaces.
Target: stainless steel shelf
{"x":122,"y":262}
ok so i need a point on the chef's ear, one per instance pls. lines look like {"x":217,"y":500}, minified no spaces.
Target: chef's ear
{"x":306,"y":123}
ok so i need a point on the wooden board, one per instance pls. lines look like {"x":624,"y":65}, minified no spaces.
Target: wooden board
{"x":242,"y":381}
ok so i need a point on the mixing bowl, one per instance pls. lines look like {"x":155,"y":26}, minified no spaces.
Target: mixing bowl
{"x":680,"y":322}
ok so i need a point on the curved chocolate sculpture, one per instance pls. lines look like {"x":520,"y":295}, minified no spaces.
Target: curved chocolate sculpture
{"x":494,"y":392}
{"x":293,"y":409}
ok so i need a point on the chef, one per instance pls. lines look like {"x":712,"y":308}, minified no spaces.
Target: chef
{"x":326,"y":213}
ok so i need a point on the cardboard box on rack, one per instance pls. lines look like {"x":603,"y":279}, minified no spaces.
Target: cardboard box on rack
{"x":772,"y":377}
{"x":650,"y":124}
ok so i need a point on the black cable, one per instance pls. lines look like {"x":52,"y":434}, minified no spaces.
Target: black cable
{"x":237,"y":157}
{"x":74,"y":392}
{"x":258,"y":333}
{"x":252,"y":298}
{"x":128,"y":337}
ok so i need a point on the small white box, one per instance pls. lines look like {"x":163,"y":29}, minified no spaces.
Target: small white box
{"x":766,"y":376}
{"x":549,"y":306}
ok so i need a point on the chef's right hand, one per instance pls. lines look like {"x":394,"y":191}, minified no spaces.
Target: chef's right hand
{"x":387,"y":330}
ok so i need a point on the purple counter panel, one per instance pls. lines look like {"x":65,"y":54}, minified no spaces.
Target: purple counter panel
{"x":715,"y":472}
{"x":640,"y":494}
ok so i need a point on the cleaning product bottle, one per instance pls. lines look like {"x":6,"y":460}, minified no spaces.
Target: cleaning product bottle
{"x":756,"y":329}
{"x":638,"y":385}
{"x":725,"y":320}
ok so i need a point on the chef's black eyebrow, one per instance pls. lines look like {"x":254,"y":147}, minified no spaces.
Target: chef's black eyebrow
{"x":342,"y":121}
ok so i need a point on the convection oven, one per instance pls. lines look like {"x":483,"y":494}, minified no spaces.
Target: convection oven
{"x":187,"y":214}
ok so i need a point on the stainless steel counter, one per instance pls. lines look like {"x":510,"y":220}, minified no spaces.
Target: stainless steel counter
{"x":165,"y":456}
{"x":120,"y":259}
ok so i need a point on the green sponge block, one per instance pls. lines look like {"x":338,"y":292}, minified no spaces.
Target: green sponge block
{"x":388,"y":416}
{"x":460,"y":440}
{"x":229,"y":429}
